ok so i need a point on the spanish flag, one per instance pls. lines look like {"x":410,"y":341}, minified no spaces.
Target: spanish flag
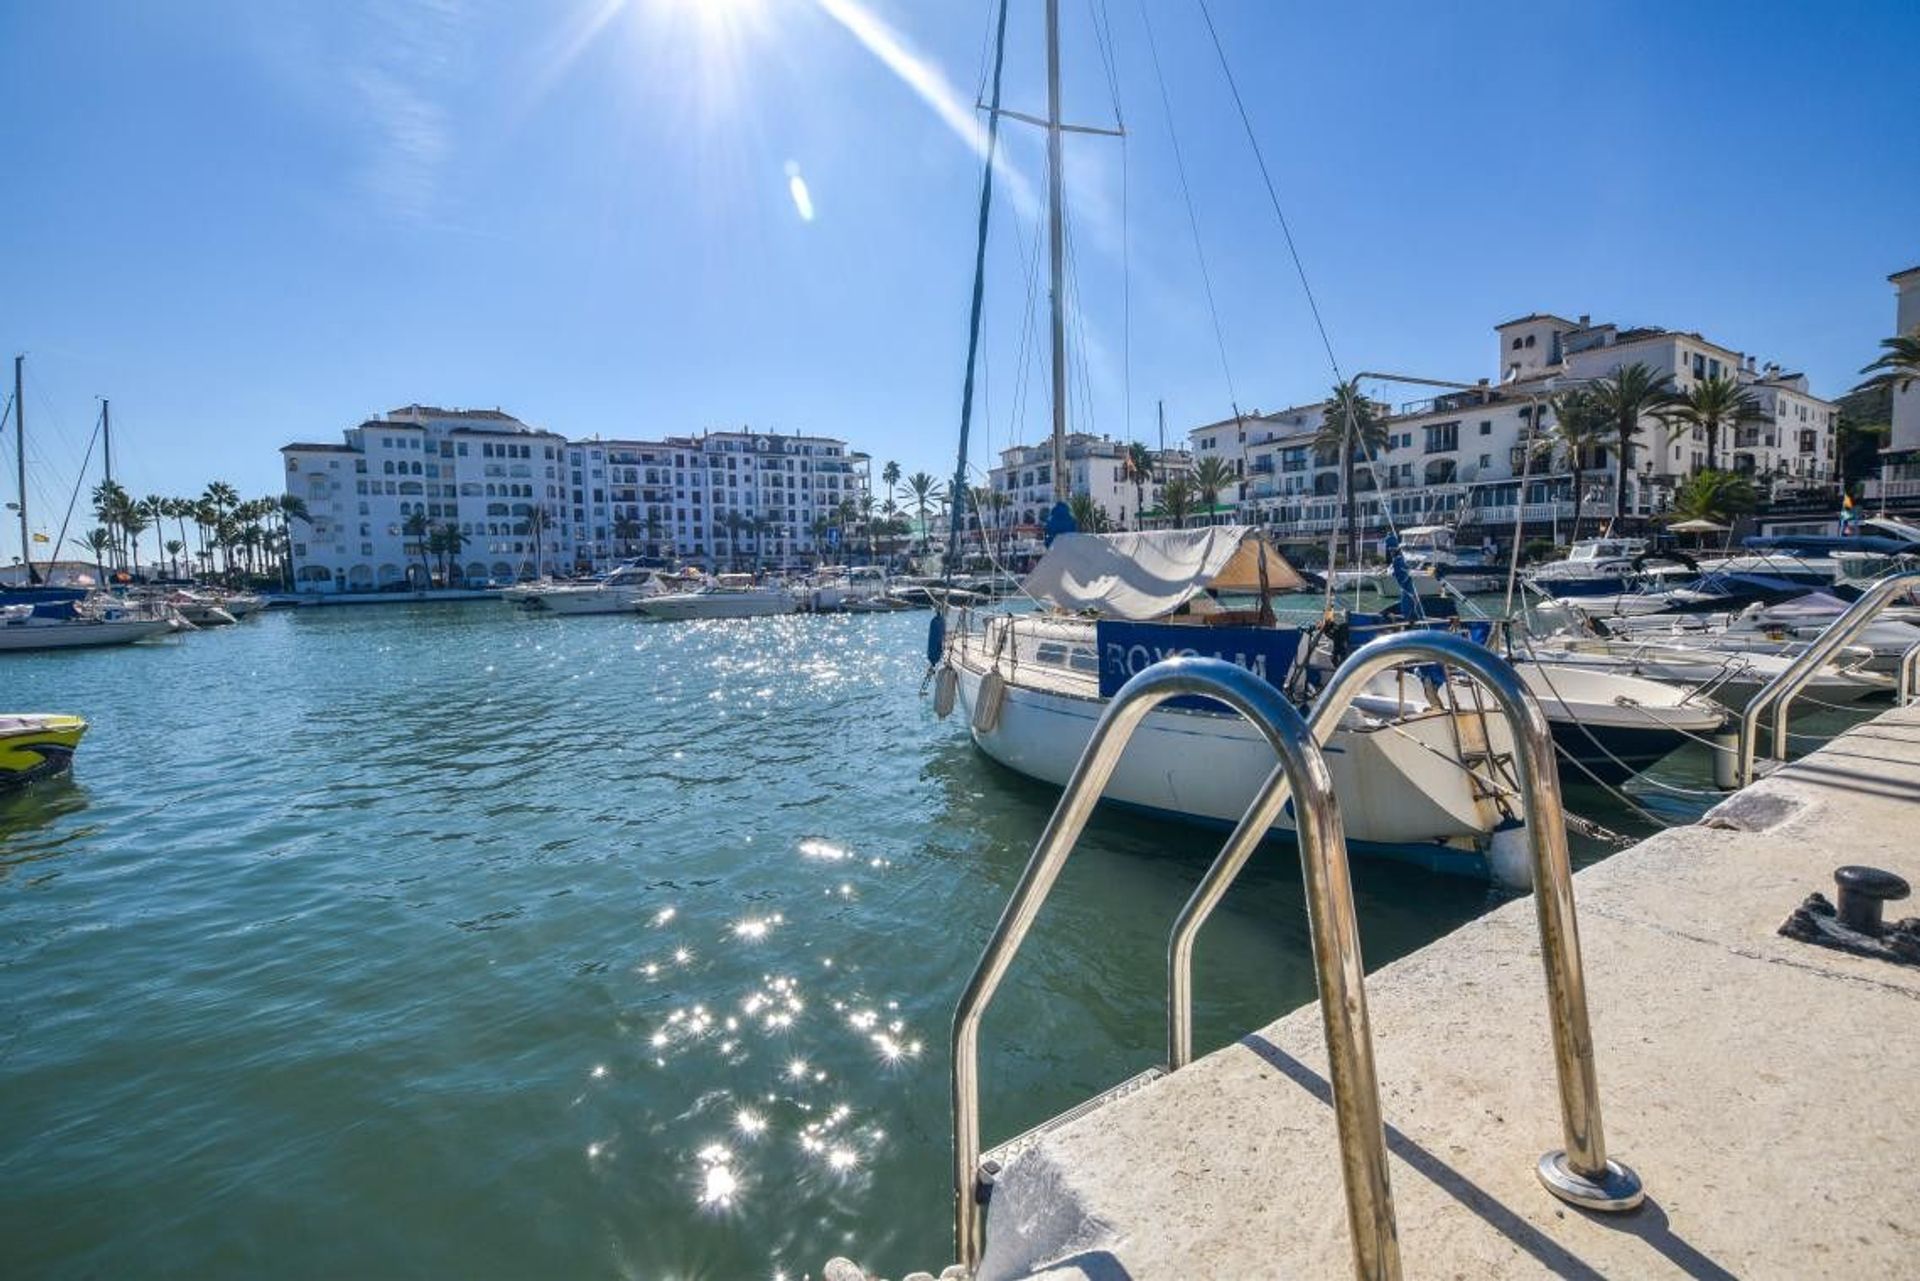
{"x":1847,"y":515}
{"x":41,"y":538}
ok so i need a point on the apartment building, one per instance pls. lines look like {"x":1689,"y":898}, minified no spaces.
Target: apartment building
{"x":528,"y":501}
{"x":1096,"y":469}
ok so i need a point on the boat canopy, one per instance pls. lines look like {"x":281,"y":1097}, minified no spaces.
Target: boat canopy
{"x":1150,"y":574}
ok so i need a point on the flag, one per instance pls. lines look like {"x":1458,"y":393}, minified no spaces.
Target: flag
{"x":41,"y":538}
{"x":1847,"y":515}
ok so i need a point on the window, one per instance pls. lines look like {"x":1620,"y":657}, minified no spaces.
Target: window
{"x":1486,"y":428}
{"x":1486,"y":460}
{"x":1516,"y":344}
{"x":1529,"y":340}
{"x":1442,"y":437}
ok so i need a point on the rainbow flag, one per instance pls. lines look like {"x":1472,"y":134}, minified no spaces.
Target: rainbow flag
{"x":1849,"y":520}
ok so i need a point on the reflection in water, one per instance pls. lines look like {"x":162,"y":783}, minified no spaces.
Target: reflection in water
{"x":630,"y":949}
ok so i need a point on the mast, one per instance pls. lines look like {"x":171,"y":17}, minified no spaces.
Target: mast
{"x":1163,"y":426}
{"x":1056,"y":255}
{"x":106,"y":436}
{"x":20,"y":425}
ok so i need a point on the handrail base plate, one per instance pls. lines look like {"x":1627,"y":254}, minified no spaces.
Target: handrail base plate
{"x":1617,"y":1190}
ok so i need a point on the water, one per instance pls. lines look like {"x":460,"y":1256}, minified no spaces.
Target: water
{"x":441,"y":941}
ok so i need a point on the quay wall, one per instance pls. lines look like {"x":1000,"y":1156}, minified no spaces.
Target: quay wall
{"x":1761,"y":1087}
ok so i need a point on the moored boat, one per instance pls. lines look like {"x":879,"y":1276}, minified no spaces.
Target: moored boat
{"x":730,"y":596}
{"x":34,"y":746}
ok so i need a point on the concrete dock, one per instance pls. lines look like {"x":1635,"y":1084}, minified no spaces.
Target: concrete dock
{"x":1764,"y":1089}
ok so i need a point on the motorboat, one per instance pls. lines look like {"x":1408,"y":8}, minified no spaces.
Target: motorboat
{"x":1593,"y":567}
{"x":728,"y":596}
{"x":35,"y":746}
{"x":242,"y":604}
{"x":618,"y":593}
{"x":857,"y":589}
{"x":1429,"y":552}
{"x":1785,"y":628}
{"x":201,"y":611}
{"x":1413,"y":782}
{"x":1729,"y":677}
{"x":25,"y":627}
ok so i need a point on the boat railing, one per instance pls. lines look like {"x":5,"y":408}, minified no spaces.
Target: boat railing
{"x":1909,"y":670}
{"x":1581,"y":1172}
{"x":1779,"y":693}
{"x":1339,"y":972}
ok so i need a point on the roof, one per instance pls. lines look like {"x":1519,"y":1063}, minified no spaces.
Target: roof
{"x":435,"y":411}
{"x":1899,"y":276}
{"x":1536,"y":315}
{"x":325,"y":449}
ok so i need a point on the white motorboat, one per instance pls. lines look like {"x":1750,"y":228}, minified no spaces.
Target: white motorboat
{"x":1785,"y":629}
{"x":1593,"y":567}
{"x":730,"y":596}
{"x":22,"y":629}
{"x":242,"y":604}
{"x":1731,"y":678}
{"x":201,"y":611}
{"x":618,"y":593}
{"x":1430,"y":553}
{"x":858,"y":589}
{"x":1413,"y":783}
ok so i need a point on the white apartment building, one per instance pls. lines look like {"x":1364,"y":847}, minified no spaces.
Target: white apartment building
{"x":479,"y":470}
{"x":720,"y":496}
{"x":1097,"y":469}
{"x":1900,"y":475}
{"x":1460,"y":457}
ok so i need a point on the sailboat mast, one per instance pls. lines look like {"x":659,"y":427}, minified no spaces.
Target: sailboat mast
{"x":1056,"y":255}
{"x":106,"y":436}
{"x":20,"y":425}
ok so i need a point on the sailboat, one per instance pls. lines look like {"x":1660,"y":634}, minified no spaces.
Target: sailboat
{"x":36,"y":617}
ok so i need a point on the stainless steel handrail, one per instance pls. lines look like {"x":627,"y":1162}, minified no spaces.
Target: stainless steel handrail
{"x":1581,"y":1173}
{"x":1909,"y":672}
{"x":1338,"y":969}
{"x":1782,"y":689}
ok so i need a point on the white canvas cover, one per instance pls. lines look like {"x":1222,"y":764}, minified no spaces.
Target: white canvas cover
{"x":1150,"y":574}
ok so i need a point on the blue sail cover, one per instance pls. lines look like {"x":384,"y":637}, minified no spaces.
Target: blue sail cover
{"x":1127,"y":649}
{"x":1410,"y":607}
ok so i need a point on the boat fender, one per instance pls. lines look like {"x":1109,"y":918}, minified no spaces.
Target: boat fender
{"x":1510,"y":856}
{"x":945,"y":682}
{"x":936,"y":637}
{"x":987,"y":704}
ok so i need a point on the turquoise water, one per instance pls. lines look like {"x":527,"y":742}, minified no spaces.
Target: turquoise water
{"x":441,"y":941}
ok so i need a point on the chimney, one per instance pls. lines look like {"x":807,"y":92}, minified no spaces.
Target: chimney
{"x":1585,"y":320}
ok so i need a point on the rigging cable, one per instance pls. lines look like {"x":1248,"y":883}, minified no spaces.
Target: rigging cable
{"x":979,"y":291}
{"x":1103,"y":36}
{"x":1193,"y":218}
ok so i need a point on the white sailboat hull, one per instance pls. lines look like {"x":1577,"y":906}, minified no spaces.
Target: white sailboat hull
{"x":1393,"y":790}
{"x":79,"y":634}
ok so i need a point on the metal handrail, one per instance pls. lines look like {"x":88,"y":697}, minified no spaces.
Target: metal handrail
{"x":1909,"y":673}
{"x":1339,"y":972}
{"x":1783,"y":689}
{"x":1581,"y":1173}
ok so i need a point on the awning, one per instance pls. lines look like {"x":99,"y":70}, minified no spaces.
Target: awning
{"x":1152,"y":573}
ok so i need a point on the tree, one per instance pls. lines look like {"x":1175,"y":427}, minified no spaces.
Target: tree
{"x":112,"y":506}
{"x":1209,"y":478}
{"x":153,"y":510}
{"x":1714,"y":495}
{"x":221,"y":498}
{"x":890,"y":476}
{"x":1633,"y":392}
{"x":1714,"y":403}
{"x":1580,"y":431}
{"x":926,"y":492}
{"x":180,"y":509}
{"x":1899,"y":364}
{"x":1349,"y":425}
{"x":173,"y":549}
{"x":417,"y":528}
{"x":99,"y":542}
{"x":1139,"y":467}
{"x":1088,"y":516}
{"x":289,"y":508}
{"x":625,"y":530}
{"x":1176,"y":501}
{"x":654,"y":526}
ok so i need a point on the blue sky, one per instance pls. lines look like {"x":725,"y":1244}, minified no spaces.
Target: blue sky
{"x":255,"y":221}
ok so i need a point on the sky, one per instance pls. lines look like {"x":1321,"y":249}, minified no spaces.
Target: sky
{"x":249,"y":222}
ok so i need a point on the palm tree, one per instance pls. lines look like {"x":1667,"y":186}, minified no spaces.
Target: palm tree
{"x":1714,"y":403}
{"x":1714,"y":495}
{"x":653,"y":525}
{"x":111,"y":506}
{"x":99,"y":542}
{"x":734,"y":523}
{"x":206,"y":519}
{"x":180,"y":509}
{"x":890,"y":476}
{"x":1898,"y":367}
{"x":1349,"y":425}
{"x":1176,"y":501}
{"x":173,"y":549}
{"x":1634,"y":392}
{"x":133,"y":523}
{"x":222,"y":497}
{"x":625,"y":530}
{"x":289,"y":508}
{"x":417,"y":528}
{"x":926,"y":492}
{"x":1139,"y":467}
{"x":452,"y":542}
{"x":1088,"y":516}
{"x":1579,"y":431}
{"x":1209,"y":478}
